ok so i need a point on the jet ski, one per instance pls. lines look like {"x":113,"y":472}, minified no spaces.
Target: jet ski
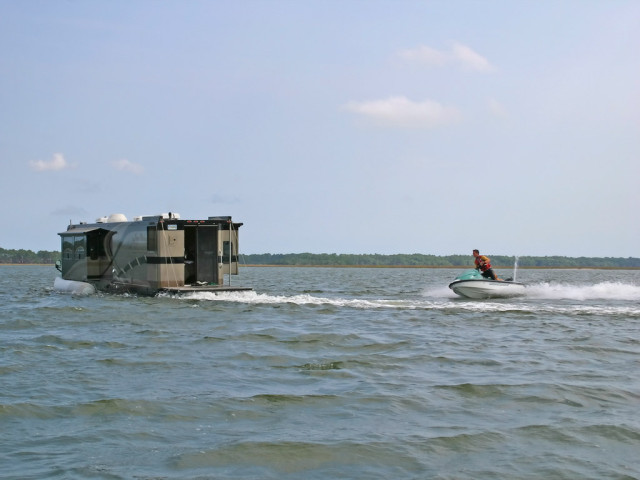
{"x":471,"y":284}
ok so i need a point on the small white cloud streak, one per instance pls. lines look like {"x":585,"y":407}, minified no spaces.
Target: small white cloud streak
{"x":127,"y":166}
{"x":56,"y":163}
{"x":424,"y":54}
{"x":402,"y":112}
{"x":470,"y":59}
{"x":460,"y":55}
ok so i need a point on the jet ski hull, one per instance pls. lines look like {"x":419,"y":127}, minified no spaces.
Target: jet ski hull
{"x":484,"y":289}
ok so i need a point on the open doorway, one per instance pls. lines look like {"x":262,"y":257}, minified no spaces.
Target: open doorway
{"x":200,"y":252}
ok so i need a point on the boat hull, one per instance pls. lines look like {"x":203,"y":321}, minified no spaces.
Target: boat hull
{"x":86,"y":288}
{"x":484,"y":289}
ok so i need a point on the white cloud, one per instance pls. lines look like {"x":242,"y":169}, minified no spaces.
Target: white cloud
{"x":424,"y":54}
{"x":56,"y":163}
{"x":470,"y":59}
{"x":402,"y":112}
{"x":460,"y":55}
{"x":127,"y":166}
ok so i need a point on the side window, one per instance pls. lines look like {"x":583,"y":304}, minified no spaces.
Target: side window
{"x":67,"y":248}
{"x":79,"y":247}
{"x":226,"y":251}
{"x":152,"y":238}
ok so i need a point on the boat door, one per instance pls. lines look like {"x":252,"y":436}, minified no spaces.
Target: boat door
{"x":201,"y":247}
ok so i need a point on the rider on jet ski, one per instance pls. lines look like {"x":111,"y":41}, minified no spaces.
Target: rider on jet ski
{"x":483,"y":264}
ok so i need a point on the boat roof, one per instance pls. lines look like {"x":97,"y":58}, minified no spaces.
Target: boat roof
{"x":74,"y":230}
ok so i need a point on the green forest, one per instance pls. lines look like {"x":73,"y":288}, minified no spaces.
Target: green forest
{"x":369,"y":260}
{"x":28,"y":256}
{"x":421,"y":260}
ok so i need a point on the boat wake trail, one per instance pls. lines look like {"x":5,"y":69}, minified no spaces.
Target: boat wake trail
{"x":598,"y":291}
{"x":600,"y":297}
{"x":252,"y":297}
{"x":565,"y":291}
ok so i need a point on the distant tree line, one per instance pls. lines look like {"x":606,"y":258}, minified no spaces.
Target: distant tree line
{"x":421,"y":260}
{"x":372,"y":260}
{"x":28,"y":256}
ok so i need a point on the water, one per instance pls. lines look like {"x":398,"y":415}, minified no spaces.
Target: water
{"x":350,"y":373}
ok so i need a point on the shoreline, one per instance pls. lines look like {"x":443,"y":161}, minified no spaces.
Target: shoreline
{"x":499,"y":267}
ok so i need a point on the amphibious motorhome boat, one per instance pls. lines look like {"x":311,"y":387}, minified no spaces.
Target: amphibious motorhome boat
{"x":149,"y":254}
{"x":471,"y":284}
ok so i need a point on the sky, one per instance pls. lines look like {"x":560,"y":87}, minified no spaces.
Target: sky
{"x":328,"y":126}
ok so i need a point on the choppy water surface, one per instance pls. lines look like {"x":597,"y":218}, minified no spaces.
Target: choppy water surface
{"x":323,"y":373}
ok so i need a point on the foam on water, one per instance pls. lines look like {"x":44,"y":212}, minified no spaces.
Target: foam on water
{"x":252,"y":297}
{"x":598,"y":291}
{"x":559,"y":291}
{"x":444,"y":299}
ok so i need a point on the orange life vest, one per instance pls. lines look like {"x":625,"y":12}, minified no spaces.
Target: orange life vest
{"x":487,"y":263}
